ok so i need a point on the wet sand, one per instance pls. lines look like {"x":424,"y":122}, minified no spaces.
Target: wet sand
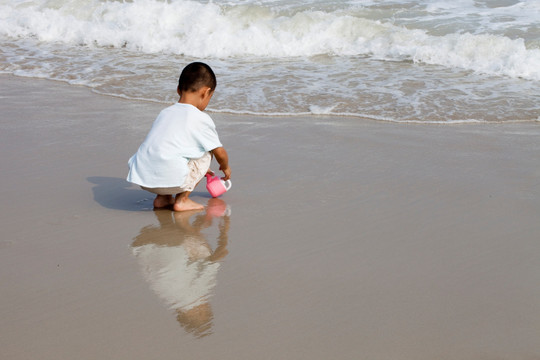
{"x":340,"y":239}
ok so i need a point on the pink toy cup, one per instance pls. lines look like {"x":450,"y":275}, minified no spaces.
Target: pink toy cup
{"x":216,"y":186}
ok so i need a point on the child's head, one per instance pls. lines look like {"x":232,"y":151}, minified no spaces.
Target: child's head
{"x":195,"y":76}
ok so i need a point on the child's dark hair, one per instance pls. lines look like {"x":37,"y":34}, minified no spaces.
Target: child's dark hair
{"x":196,"y":75}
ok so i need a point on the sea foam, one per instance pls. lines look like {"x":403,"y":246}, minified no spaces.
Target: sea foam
{"x":205,"y":30}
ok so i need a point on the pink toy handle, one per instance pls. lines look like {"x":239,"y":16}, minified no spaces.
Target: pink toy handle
{"x":227,"y":184}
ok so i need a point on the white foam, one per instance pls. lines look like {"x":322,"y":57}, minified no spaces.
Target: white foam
{"x":321,"y":110}
{"x":209,"y":29}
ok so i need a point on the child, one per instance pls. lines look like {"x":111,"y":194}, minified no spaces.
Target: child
{"x":177,"y":151}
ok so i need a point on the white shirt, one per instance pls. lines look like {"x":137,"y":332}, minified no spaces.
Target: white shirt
{"x":180,"y":132}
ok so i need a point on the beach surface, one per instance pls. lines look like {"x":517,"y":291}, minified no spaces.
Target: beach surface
{"x":340,"y":238}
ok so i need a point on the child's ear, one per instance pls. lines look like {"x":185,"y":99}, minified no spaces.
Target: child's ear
{"x":207,"y":92}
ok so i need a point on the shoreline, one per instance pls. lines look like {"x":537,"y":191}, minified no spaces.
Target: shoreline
{"x":341,"y":238}
{"x":344,"y":116}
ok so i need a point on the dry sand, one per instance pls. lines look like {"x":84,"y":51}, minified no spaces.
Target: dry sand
{"x":346,"y":239}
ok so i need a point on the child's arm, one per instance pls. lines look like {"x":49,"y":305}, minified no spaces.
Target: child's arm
{"x":223,"y":160}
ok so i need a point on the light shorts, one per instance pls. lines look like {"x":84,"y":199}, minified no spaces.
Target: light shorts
{"x":197,"y":170}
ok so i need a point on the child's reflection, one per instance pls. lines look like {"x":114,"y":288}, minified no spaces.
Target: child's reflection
{"x":180,"y":265}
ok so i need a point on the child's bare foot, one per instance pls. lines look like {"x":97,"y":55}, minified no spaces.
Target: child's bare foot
{"x":184,"y":203}
{"x":162,"y":201}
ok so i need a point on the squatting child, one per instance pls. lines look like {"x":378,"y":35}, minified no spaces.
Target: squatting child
{"x":178,"y":150}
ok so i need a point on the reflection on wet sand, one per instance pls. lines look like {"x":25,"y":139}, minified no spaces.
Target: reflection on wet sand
{"x":179,"y":263}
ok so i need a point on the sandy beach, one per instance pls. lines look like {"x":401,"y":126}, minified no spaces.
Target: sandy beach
{"x":340,"y":238}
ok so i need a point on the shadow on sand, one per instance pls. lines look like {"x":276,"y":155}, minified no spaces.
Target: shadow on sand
{"x":118,"y":194}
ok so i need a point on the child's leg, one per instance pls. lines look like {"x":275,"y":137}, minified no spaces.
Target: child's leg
{"x":184,"y":203}
{"x":163,"y":201}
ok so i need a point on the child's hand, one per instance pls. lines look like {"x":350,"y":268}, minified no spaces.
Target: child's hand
{"x":227,"y":172}
{"x":223,"y":160}
{"x":210,"y":172}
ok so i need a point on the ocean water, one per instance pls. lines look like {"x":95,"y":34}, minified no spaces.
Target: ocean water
{"x":442,"y":61}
